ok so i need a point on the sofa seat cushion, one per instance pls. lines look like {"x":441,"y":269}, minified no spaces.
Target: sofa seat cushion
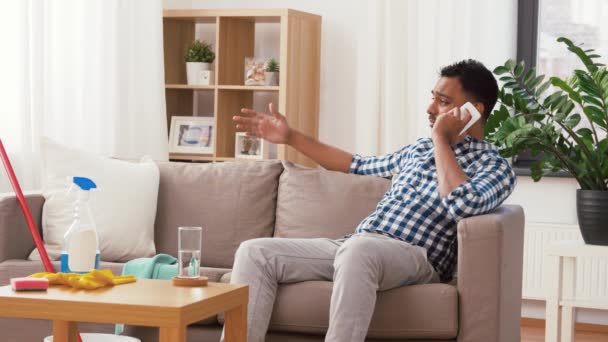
{"x":418,"y":311}
{"x":315,"y":203}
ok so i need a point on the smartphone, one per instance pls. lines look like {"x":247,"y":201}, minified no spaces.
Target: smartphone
{"x":475,"y":115}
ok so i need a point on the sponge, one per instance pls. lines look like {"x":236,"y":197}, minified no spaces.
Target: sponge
{"x":29,"y":284}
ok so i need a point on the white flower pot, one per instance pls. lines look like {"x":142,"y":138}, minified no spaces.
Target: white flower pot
{"x":199,"y":73}
{"x":271,"y":78}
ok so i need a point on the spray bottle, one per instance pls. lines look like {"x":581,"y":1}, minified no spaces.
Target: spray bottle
{"x":81,"y":246}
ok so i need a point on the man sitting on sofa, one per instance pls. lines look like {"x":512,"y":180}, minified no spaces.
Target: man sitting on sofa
{"x":411,"y":236}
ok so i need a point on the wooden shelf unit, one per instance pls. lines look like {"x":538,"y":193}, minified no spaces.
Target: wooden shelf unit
{"x":298,"y":90}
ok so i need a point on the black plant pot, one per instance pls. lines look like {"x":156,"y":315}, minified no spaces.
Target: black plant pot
{"x":592,"y":212}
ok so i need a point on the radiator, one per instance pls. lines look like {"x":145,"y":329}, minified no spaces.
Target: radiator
{"x":591,"y":272}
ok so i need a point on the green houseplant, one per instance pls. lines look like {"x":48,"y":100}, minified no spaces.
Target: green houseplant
{"x":271,"y":72}
{"x":199,"y":57}
{"x":272,"y":65}
{"x":200,"y":52}
{"x":544,"y":116}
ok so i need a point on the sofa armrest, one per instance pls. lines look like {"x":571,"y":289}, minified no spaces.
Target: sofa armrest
{"x":490,"y":262}
{"x":15,"y":239}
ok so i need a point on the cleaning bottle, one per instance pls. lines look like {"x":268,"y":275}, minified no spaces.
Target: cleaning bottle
{"x":81,"y":246}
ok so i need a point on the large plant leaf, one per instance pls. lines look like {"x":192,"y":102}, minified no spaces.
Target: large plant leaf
{"x":572,"y":120}
{"x":595,"y":115}
{"x":496,"y":118}
{"x":507,"y":99}
{"x":551,"y":98}
{"x":602,"y":150}
{"x":558,"y":82}
{"x":537,"y":170}
{"x":586,"y":83}
{"x":519,"y":69}
{"x":592,"y":100}
{"x":529,"y":76}
{"x":557,"y":104}
{"x":568,"y":107}
{"x":582,"y":55}
{"x":542,"y":88}
{"x":499,"y":70}
{"x":585,"y":133}
{"x":536,"y":81}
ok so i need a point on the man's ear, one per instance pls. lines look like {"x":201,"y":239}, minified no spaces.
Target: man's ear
{"x":480,"y":107}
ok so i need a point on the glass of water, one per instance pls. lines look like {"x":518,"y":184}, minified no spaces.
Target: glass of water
{"x":189,"y":251}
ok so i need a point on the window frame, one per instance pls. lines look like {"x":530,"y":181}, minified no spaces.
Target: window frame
{"x":527,"y":50}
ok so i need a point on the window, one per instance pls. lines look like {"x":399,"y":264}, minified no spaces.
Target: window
{"x":583,"y":21}
{"x":540,"y":23}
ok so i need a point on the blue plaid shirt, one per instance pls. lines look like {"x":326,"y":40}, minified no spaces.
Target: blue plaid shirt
{"x":412,"y":209}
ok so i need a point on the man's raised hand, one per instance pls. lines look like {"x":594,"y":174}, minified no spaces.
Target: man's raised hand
{"x":448,"y":125}
{"x":272,"y":127}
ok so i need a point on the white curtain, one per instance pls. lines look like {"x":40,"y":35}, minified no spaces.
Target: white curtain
{"x":88,"y":74}
{"x":408,"y":43}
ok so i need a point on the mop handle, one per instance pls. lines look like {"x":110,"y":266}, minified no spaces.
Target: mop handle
{"x":27,"y":213}
{"x":26,"y":210}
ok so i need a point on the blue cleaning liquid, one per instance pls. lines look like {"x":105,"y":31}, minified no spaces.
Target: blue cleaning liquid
{"x":65,"y":265}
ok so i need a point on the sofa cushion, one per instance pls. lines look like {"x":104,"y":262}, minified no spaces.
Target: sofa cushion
{"x":232,"y":201}
{"x":317,"y":203}
{"x":417,"y":311}
{"x":123,"y":206}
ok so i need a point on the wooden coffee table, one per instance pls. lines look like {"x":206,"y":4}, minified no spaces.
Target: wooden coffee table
{"x":154,"y":303}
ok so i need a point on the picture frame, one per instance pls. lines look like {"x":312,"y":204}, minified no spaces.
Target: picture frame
{"x":249,"y":147}
{"x":254,"y":71}
{"x":192,"y":134}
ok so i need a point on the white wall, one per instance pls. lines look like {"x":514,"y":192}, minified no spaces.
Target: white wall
{"x":550,"y":201}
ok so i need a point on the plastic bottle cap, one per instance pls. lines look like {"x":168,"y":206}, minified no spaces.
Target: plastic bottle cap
{"x":84,"y":183}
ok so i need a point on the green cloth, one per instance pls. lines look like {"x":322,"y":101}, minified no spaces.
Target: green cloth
{"x":160,"y":266}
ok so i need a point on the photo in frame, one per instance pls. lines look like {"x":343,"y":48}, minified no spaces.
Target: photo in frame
{"x":191,"y":134}
{"x":254,"y":71}
{"x":248,"y":147}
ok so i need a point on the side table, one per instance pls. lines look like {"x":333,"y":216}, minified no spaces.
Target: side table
{"x":560,"y":278}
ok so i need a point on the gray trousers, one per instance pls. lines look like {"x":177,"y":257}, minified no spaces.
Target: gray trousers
{"x":359,"y":267}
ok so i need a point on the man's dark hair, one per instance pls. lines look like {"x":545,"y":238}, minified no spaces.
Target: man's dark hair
{"x":476,"y":80}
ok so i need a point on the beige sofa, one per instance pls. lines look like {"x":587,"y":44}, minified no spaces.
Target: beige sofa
{"x":237,"y":201}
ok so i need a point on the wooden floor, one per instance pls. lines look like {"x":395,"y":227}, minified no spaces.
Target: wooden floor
{"x":537,"y":334}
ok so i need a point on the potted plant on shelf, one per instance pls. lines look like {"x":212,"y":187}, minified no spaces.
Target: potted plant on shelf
{"x":199,"y":57}
{"x":548,"y":123}
{"x":271,"y":72}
